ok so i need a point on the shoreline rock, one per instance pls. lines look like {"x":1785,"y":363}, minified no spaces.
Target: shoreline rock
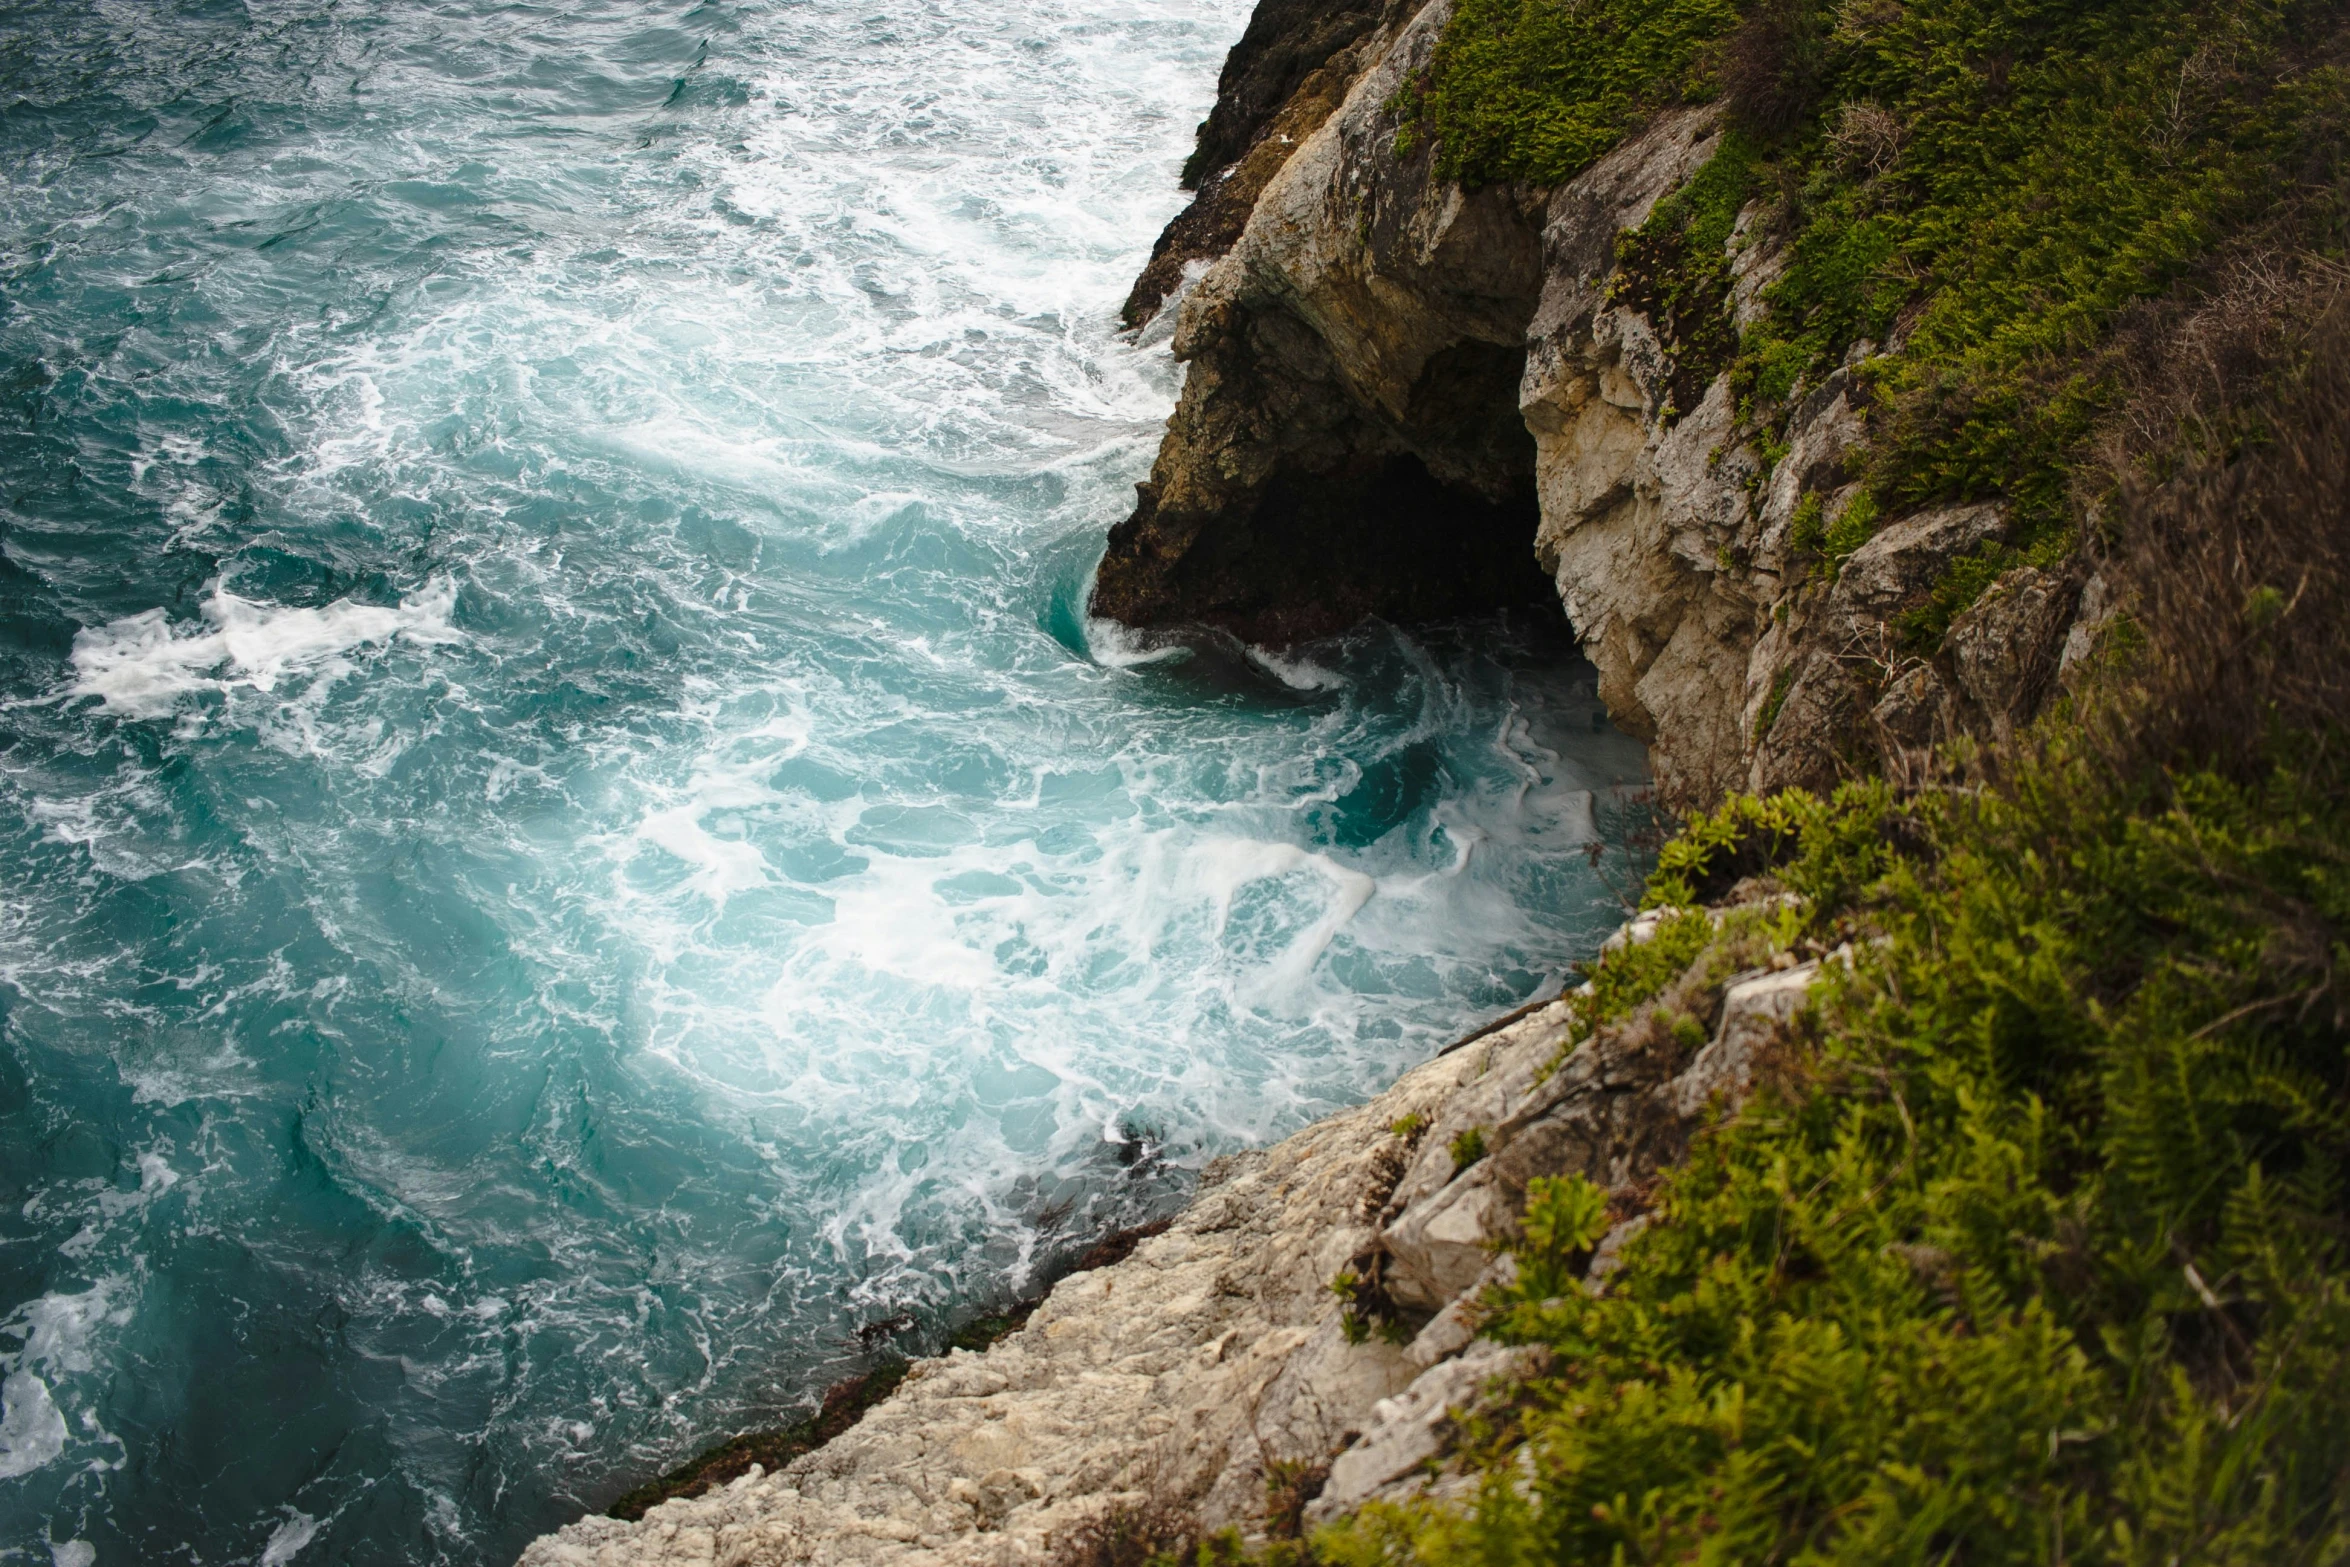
{"x":1216,"y":1364}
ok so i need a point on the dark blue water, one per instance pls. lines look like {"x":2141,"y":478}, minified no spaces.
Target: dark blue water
{"x":566,"y":846}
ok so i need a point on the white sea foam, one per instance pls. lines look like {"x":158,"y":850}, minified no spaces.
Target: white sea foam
{"x":32,"y":1431}
{"x":55,"y":1333}
{"x":1118,"y":646}
{"x":143,"y":666}
{"x":1296,"y":672}
{"x":287,"y":1540}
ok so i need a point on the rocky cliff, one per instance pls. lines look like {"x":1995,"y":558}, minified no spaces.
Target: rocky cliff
{"x":1412,"y":400}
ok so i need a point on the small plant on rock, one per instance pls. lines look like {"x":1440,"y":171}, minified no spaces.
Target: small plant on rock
{"x":1565,"y":1217}
{"x":1368,"y":1309}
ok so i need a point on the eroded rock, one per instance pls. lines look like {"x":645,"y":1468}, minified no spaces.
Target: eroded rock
{"x":1288,"y":73}
{"x":1411,"y":1428}
{"x":1643,"y":502}
{"x":2005,"y":648}
{"x":1347,"y":443}
{"x":1897,"y":566}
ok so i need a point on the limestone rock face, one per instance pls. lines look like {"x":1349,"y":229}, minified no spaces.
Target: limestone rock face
{"x":1643,"y":504}
{"x":1217,"y":1350}
{"x":1347,"y":443}
{"x":1182,"y":1370}
{"x":1899,"y":562}
{"x":1398,"y":390}
{"x":2005,"y":648}
{"x":1413,"y":1428}
{"x":1290,"y":70}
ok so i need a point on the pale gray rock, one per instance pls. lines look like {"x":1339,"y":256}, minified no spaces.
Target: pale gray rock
{"x":1643,"y":506}
{"x":1442,"y":1243}
{"x":1495,"y":1075}
{"x":1180,"y":1375}
{"x":1756,"y":262}
{"x":1755,"y":1009}
{"x":2008,"y":644}
{"x":1915,"y":713}
{"x":1825,"y":432}
{"x":1640,"y":929}
{"x":1812,"y":742}
{"x":2089,"y":622}
{"x":1608,"y":1255}
{"x":1450,"y":1330}
{"x":1898,"y":564}
{"x":1412,"y":1427}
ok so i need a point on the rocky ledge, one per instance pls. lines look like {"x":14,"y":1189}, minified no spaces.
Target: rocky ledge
{"x":1215,"y":1376}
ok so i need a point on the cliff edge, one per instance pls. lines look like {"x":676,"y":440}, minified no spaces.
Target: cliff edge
{"x":1412,"y":397}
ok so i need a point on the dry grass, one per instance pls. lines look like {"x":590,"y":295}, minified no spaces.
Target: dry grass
{"x":2235,"y":577}
{"x":1125,"y":1534}
{"x":1867,"y":138}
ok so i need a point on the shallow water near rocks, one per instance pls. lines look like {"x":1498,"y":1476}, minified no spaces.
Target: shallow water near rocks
{"x":571,"y":863}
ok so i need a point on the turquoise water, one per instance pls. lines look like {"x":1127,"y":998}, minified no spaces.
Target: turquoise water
{"x":571,"y":863}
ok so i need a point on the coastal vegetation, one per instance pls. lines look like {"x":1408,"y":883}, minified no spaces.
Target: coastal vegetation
{"x":2031,"y":1247}
{"x":2029,"y":1244}
{"x":2032,"y":1240}
{"x":2004,"y":215}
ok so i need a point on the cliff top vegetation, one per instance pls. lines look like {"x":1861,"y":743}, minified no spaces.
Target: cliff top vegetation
{"x":2027,"y":223}
{"x":2033,"y":1248}
{"x":2033,"y":1244}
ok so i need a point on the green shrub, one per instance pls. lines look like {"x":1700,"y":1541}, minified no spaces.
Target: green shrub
{"x":2049,"y":1238}
{"x":2034,"y":1246}
{"x":1822,"y":850}
{"x":1531,"y":89}
{"x":1468,"y":1147}
{"x":1565,"y":1217}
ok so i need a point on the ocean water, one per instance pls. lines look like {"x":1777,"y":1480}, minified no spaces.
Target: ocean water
{"x":570,"y":866}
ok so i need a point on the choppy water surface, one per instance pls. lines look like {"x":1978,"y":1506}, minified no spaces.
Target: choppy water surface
{"x":565,"y":844}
